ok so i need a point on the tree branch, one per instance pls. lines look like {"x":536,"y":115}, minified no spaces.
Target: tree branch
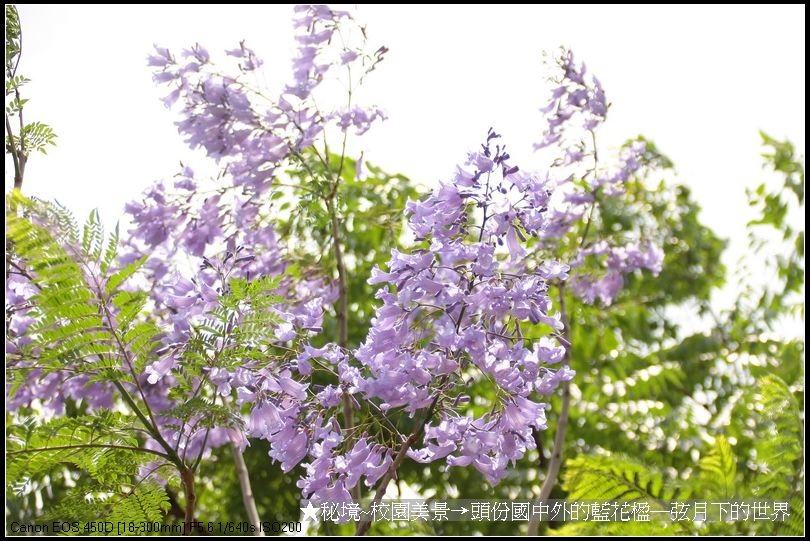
{"x":562,"y":424}
{"x":18,"y":159}
{"x":153,"y":430}
{"x":247,"y":491}
{"x":364,"y":526}
{"x":187,"y":477}
{"x":89,"y":446}
{"x":342,"y":311}
{"x":151,"y":424}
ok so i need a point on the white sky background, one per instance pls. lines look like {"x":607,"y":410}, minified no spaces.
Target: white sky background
{"x":699,"y":81}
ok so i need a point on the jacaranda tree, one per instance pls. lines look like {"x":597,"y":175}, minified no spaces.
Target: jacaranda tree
{"x":310,"y":306}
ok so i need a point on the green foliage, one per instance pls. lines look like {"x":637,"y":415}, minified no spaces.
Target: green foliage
{"x":137,"y":505}
{"x":781,"y":157}
{"x":76,"y":334}
{"x":146,"y":502}
{"x":621,"y":478}
{"x":13,"y":33}
{"x":96,"y":454}
{"x":371,"y":218}
{"x":81,"y":441}
{"x":778,"y":475}
{"x":776,"y":237}
{"x":635,"y":371}
{"x":77,"y":293}
{"x":779,"y":442}
{"x":36,"y":136}
{"x":615,"y":477}
{"x":769,"y":430}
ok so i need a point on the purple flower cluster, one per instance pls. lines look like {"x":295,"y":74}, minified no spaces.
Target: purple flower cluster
{"x":452,"y":313}
{"x":241,"y":127}
{"x":620,"y":260}
{"x":578,"y":103}
{"x":456,"y":311}
{"x":252,"y":137}
{"x":578,"y":106}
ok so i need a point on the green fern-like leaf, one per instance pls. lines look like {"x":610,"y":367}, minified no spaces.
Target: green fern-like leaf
{"x":37,"y":136}
{"x":93,"y":235}
{"x":147,"y":502}
{"x":718,"y":471}
{"x":138,"y":508}
{"x":616,"y":477}
{"x":779,"y":453}
{"x":68,"y":329}
{"x":103,"y":445}
{"x":779,"y":446}
{"x":84,"y":321}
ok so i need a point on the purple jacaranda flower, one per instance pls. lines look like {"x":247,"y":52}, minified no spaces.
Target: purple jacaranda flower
{"x":552,"y":379}
{"x":330,"y":396}
{"x":222,"y":379}
{"x":289,"y":447}
{"x":264,"y":420}
{"x":160,"y":369}
{"x":161,"y":58}
{"x":546,"y":350}
{"x":520,"y":412}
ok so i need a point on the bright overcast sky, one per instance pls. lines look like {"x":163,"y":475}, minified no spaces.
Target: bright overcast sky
{"x":700,"y":81}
